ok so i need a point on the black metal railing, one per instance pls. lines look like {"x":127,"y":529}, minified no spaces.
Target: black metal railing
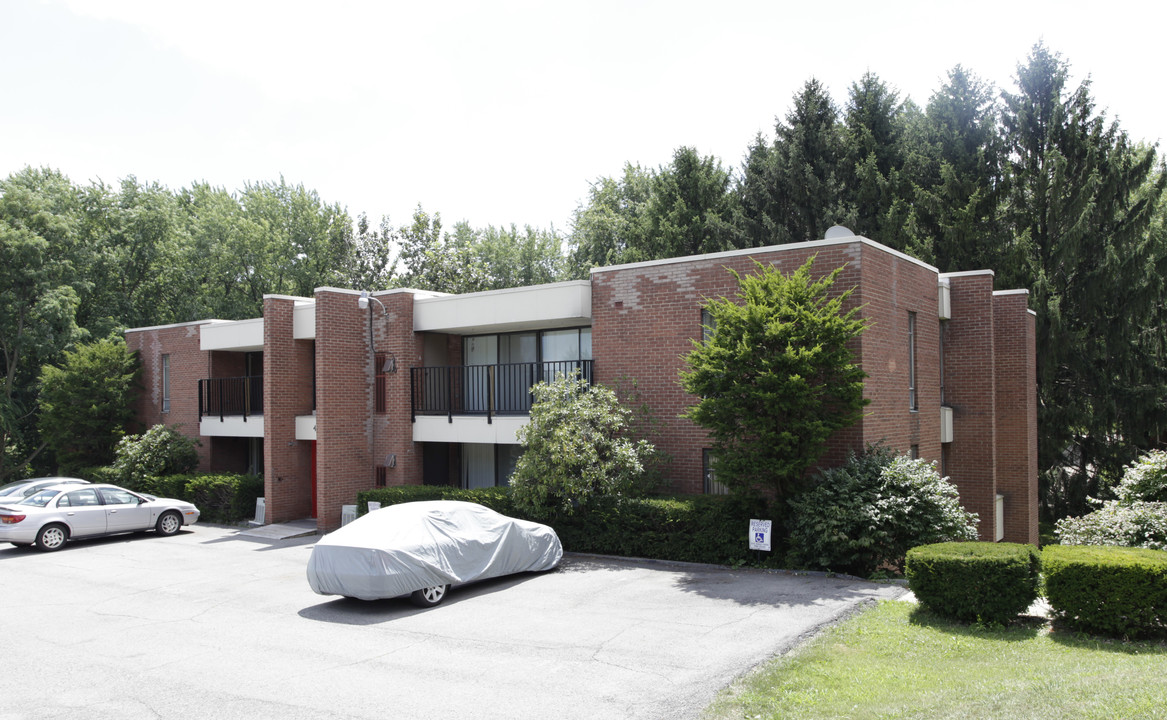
{"x":231,"y":397}
{"x":484,"y":389}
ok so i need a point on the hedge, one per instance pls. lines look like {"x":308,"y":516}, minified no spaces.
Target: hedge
{"x":220,"y":497}
{"x":975,"y":581}
{"x":1108,"y":590}
{"x":696,"y":528}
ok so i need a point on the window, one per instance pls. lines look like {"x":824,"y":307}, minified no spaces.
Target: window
{"x":382,"y":476}
{"x":913,"y":399}
{"x":114,"y":496}
{"x":943,"y":331}
{"x":165,"y":383}
{"x":915,"y":452}
{"x":708,"y":325}
{"x":712,"y":487}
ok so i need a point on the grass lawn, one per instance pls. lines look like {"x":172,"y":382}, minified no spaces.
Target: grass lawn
{"x":896,"y":661}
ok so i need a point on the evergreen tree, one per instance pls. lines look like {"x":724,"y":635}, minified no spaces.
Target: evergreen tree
{"x":1080,"y":206}
{"x":956,"y":166}
{"x":793,"y":191}
{"x":691,"y":208}
{"x":775,"y":377}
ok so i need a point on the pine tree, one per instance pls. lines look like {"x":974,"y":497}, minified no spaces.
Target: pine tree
{"x":1081,"y":201}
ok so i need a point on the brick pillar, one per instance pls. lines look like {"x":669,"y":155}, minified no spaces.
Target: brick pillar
{"x":346,"y":426}
{"x":1016,"y":378}
{"x":287,"y":392}
{"x":970,"y":389}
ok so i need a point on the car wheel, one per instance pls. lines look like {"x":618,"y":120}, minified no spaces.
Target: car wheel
{"x":430,"y":596}
{"x":51,"y":537}
{"x":168,"y":523}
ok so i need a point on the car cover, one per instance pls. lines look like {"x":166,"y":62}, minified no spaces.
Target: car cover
{"x":411,"y":546}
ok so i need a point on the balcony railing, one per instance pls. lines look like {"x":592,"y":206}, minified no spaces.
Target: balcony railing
{"x":231,"y":397}
{"x":484,"y":389}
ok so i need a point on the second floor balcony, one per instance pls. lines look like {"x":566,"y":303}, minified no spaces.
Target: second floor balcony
{"x":485,"y":390}
{"x":231,"y":397}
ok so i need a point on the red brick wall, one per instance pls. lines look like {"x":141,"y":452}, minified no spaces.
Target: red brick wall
{"x":188,"y":365}
{"x":971,"y":392}
{"x":645,"y":317}
{"x":287,"y":392}
{"x":1016,"y":411}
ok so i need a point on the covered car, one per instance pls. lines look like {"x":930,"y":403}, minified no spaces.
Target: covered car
{"x":420,"y":549}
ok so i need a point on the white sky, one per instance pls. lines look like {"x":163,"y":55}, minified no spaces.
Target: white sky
{"x":499,"y":112}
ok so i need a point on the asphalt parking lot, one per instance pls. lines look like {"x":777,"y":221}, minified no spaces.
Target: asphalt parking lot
{"x":211,"y":624}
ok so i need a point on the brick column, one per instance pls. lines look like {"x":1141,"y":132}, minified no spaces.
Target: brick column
{"x":287,"y":392}
{"x":970,"y":389}
{"x":346,"y":426}
{"x":1016,"y":377}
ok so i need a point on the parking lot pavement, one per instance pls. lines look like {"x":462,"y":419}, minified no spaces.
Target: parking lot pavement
{"x":209,"y":624}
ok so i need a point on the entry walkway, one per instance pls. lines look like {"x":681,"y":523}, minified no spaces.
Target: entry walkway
{"x":282,"y":531}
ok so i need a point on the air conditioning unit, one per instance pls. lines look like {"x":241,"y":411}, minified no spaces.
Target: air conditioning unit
{"x":348,"y":513}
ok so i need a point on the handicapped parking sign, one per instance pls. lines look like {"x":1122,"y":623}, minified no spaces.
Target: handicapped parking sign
{"x":760,"y":534}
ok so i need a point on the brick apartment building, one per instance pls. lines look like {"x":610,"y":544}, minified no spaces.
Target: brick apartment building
{"x":329,"y":395}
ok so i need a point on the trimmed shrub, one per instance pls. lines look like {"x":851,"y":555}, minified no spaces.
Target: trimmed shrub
{"x":1107,"y":590}
{"x":495,"y":498}
{"x":871,"y":510}
{"x":974,"y":581}
{"x":695,"y":528}
{"x":224,"y":498}
{"x":221,"y":498}
{"x":1138,"y":524}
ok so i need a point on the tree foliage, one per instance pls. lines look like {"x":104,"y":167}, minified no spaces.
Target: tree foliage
{"x":41,"y":262}
{"x":775,"y":376}
{"x":86,"y":403}
{"x":576,"y":449}
{"x":1081,"y":202}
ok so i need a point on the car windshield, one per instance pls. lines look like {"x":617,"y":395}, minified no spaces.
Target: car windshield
{"x":41,"y":499}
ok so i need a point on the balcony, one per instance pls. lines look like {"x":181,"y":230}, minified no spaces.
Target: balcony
{"x":484,"y":390}
{"x":231,"y":397}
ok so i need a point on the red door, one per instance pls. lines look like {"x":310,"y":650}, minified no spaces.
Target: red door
{"x":313,"y":478}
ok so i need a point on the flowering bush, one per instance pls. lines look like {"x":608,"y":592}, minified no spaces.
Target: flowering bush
{"x":872,"y":511}
{"x":1144,"y":479}
{"x":1135,"y":524}
{"x":576,"y":449}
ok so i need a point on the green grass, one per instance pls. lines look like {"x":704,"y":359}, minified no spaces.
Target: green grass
{"x":896,"y":661}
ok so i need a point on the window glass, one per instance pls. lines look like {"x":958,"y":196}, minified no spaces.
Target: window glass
{"x":165,"y":383}
{"x":41,"y":499}
{"x":712,"y":487}
{"x":517,"y":348}
{"x":560,"y":345}
{"x":79,"y":498}
{"x":114,"y":496}
{"x":913,"y":399}
{"x":585,"y":343}
{"x":708,"y":325}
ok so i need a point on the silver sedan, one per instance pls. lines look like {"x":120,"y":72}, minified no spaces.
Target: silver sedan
{"x":59,"y":513}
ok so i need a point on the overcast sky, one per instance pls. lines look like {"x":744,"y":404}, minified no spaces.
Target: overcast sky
{"x":495,"y":112}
